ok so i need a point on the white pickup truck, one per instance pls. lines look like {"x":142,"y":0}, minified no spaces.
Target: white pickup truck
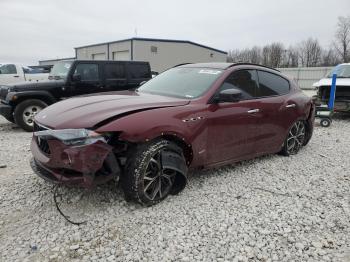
{"x":16,"y":73}
{"x":342,"y":94}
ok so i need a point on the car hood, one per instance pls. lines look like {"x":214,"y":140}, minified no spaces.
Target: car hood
{"x":40,"y":85}
{"x":328,"y":82}
{"x":88,"y":111}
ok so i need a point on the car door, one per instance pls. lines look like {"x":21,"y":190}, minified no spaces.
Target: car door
{"x":275,"y":112}
{"x":138,"y":72}
{"x":232,"y":126}
{"x":86,"y":79}
{"x":115,"y":76}
{"x":9,"y":74}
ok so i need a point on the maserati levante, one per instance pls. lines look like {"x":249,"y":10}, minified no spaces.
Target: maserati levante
{"x":190,"y":116}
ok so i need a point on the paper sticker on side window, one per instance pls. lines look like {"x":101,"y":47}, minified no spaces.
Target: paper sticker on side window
{"x":208,"y":71}
{"x":67,"y":66}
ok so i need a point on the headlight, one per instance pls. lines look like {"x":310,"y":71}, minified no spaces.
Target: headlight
{"x":71,"y":136}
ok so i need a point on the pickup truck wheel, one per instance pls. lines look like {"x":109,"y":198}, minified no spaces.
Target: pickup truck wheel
{"x":25,"y":112}
{"x":153,"y":171}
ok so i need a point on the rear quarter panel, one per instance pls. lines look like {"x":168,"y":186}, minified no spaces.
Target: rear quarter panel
{"x":304,"y":106}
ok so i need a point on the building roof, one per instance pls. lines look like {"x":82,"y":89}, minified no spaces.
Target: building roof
{"x":155,"y":40}
{"x":57,"y":59}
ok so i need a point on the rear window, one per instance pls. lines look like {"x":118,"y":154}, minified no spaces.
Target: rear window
{"x":8,"y":69}
{"x":139,"y":71}
{"x":272,"y":85}
{"x":115,"y":71}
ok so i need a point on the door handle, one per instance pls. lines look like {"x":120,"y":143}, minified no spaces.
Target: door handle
{"x":291,"y":105}
{"x":253,"y":111}
{"x":15,"y":76}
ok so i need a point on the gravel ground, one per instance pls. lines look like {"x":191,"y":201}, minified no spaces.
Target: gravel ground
{"x":269,"y":209}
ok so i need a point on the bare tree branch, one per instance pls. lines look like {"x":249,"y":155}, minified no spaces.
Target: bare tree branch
{"x":309,"y":52}
{"x":342,"y":36}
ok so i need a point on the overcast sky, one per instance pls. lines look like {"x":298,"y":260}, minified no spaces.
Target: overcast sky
{"x":32,"y":30}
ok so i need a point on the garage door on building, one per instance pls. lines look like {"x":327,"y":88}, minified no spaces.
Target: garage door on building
{"x":99,"y":56}
{"x":121,"y":55}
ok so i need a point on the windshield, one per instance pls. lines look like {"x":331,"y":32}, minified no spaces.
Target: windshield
{"x":343,"y":71}
{"x":182,"y":82}
{"x":60,"y":70}
{"x":29,"y":70}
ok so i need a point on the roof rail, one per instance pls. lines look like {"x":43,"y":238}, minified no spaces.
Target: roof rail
{"x":243,"y":63}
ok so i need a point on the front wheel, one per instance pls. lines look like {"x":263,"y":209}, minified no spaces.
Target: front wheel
{"x":153,"y":171}
{"x":25,"y":112}
{"x":295,"y":139}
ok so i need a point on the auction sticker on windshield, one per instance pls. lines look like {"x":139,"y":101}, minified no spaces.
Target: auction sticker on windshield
{"x":208,"y":71}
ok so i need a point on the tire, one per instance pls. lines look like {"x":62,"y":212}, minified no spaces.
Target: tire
{"x":295,"y":139}
{"x":25,"y":111}
{"x":149,"y":177}
{"x":325,"y":122}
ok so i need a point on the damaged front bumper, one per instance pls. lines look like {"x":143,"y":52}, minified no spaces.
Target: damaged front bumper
{"x":83,"y":165}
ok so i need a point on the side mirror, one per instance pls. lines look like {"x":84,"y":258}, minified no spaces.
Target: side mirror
{"x":229,"y":95}
{"x":76,"y":78}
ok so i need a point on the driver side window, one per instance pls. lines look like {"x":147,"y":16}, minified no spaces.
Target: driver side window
{"x":244,"y":81}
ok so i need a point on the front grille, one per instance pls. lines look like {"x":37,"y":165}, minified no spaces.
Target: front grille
{"x":42,"y":143}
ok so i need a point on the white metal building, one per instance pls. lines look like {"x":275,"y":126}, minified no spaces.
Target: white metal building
{"x":160,"y":53}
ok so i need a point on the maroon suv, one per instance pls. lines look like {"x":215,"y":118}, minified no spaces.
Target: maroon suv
{"x":191,"y":116}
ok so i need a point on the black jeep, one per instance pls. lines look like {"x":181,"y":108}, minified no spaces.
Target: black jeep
{"x":21,"y":102}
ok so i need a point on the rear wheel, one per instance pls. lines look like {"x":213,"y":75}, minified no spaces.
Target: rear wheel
{"x":25,"y":112}
{"x":153,"y":171}
{"x":295,"y":139}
